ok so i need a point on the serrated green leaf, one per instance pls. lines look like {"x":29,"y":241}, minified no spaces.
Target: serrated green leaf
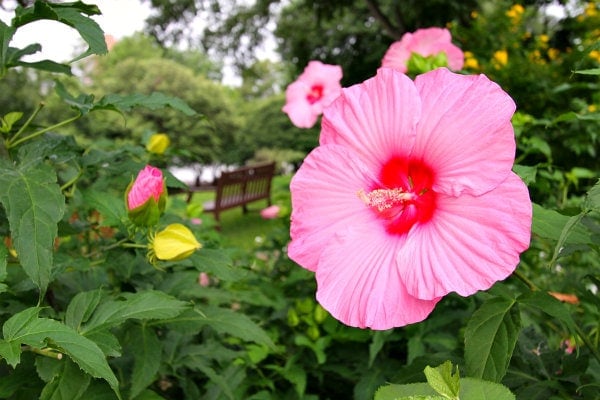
{"x":142,"y":306}
{"x":477,"y":389}
{"x":222,"y":320}
{"x":112,"y":208}
{"x":108,"y":343}
{"x":81,"y":308}
{"x":542,"y":301}
{"x":395,"y":392}
{"x":74,"y":14}
{"x":26,"y":328}
{"x":217,"y":263}
{"x":443,"y":380}
{"x":549,"y":224}
{"x":70,"y":383}
{"x":526,"y":173}
{"x":34,"y":205}
{"x":147,"y":350}
{"x":490,"y":338}
{"x":592,"y":200}
{"x":153,"y":101}
{"x":7,"y":122}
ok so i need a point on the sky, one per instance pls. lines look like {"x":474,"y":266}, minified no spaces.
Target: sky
{"x":120,"y":18}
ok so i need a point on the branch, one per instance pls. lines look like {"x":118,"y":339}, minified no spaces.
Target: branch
{"x":393,"y":31}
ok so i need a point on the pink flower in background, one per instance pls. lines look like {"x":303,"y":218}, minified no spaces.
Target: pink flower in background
{"x":149,"y":183}
{"x":410,"y":196}
{"x":203,"y":279}
{"x":425,"y":42}
{"x":270,"y":212}
{"x":314,"y":89}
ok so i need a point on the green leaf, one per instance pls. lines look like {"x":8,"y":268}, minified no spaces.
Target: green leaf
{"x":470,"y":389}
{"x":222,"y":320}
{"x":490,"y":338}
{"x":142,"y":306}
{"x":7,"y":122}
{"x":6,"y":35}
{"x":550,"y":224}
{"x":152,"y":101}
{"x":379,"y":338}
{"x":26,"y":328}
{"x":542,"y":301}
{"x":70,"y":383}
{"x":34,"y":205}
{"x":81,"y":308}
{"x":217,"y":263}
{"x":443,"y":380}
{"x":592,"y":200}
{"x":74,"y":14}
{"x":477,"y":389}
{"x":526,"y":173}
{"x":408,"y":391}
{"x":111,"y":207}
{"x":147,"y":350}
{"x":591,"y":71}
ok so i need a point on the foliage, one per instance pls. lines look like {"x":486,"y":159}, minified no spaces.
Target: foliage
{"x":85,"y":314}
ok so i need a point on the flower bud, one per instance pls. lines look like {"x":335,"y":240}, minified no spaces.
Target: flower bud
{"x":146,"y":197}
{"x":158,"y":143}
{"x":174,"y":243}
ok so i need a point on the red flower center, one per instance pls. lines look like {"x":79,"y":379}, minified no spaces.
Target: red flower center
{"x":406,"y":197}
{"x":315,"y":94}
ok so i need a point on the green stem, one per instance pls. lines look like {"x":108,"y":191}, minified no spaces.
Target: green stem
{"x":25,"y":125}
{"x":13,"y":143}
{"x":532,"y":286}
{"x":120,"y":243}
{"x":71,"y":181}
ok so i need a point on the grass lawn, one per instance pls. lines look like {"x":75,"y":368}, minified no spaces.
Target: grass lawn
{"x":242,"y":230}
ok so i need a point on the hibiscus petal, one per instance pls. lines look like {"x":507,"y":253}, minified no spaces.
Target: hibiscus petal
{"x":325,"y":200}
{"x":298,"y":109}
{"x":376,"y":118}
{"x":470,"y":243}
{"x":465,"y":131}
{"x":358,"y":281}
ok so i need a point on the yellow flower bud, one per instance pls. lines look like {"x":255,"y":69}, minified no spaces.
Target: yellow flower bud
{"x":158,"y":143}
{"x":174,"y":243}
{"x":500,"y":58}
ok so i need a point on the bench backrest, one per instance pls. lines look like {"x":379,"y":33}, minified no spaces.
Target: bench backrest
{"x":244,"y":185}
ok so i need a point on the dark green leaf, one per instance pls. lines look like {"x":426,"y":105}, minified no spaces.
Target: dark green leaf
{"x":34,"y":204}
{"x":592,"y":201}
{"x":147,"y":350}
{"x":408,"y":391}
{"x":26,"y":328}
{"x":70,"y":383}
{"x":222,"y":320}
{"x":490,"y":338}
{"x":142,"y":306}
{"x":526,"y":173}
{"x":549,"y":305}
{"x":153,"y":101}
{"x":81,"y":308}
{"x":217,"y":263}
{"x":549,"y":224}
{"x":111,"y":208}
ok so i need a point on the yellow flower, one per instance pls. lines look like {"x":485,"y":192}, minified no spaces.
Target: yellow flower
{"x":590,"y":10}
{"x":595,"y":55}
{"x":500,"y":58}
{"x":158,"y":143}
{"x":553,"y":53}
{"x":470,"y":61}
{"x":515,"y":12}
{"x":174,"y":243}
{"x":592,"y":108}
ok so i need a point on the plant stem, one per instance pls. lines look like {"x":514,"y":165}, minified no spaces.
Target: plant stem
{"x":532,"y":286}
{"x":25,"y":125}
{"x":13,"y":143}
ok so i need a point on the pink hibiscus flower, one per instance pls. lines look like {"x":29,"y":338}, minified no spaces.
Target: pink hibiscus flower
{"x":314,"y":89}
{"x":425,"y":42}
{"x":409,"y":196}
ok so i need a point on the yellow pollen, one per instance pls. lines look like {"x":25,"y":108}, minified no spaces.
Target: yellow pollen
{"x":383,"y":199}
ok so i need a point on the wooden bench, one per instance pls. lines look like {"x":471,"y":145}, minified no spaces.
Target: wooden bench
{"x":241,"y":186}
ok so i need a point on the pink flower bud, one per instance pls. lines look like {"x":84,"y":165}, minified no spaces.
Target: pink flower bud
{"x":149,"y":183}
